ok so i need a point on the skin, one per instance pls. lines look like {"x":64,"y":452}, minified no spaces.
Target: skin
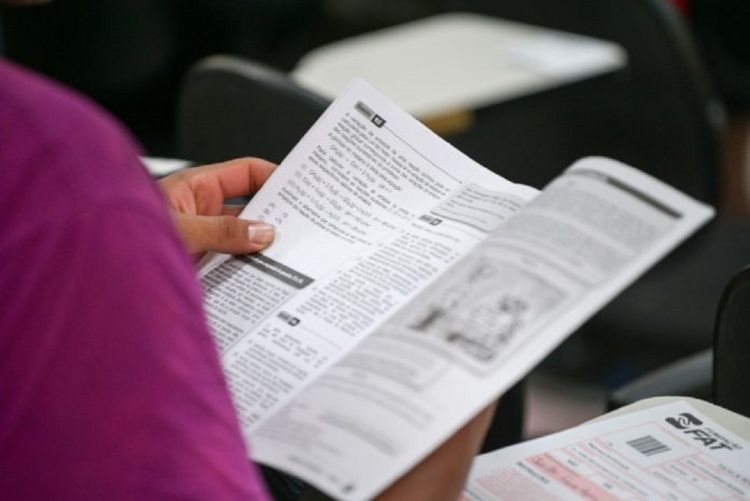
{"x":196,"y":199}
{"x":442,"y":475}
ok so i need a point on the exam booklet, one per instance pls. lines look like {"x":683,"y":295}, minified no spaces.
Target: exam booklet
{"x":408,"y":287}
{"x":669,"y":452}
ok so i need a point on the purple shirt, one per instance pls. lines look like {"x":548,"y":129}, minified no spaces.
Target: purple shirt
{"x":110,"y":384}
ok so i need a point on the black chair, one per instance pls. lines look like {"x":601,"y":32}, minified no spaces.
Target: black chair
{"x":720,"y":374}
{"x":231,"y":107}
{"x":660,"y":115}
{"x":731,"y":346}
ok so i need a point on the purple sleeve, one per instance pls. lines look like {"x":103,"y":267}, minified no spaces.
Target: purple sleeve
{"x":110,"y":384}
{"x":122,"y":397}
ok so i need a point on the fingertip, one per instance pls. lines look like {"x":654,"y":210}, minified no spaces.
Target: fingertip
{"x":255,"y":162}
{"x":260,"y":234}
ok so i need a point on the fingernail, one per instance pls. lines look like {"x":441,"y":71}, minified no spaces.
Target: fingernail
{"x":261,"y":233}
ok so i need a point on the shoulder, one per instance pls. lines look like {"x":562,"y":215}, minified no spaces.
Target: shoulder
{"x":62,"y":151}
{"x":102,"y":318}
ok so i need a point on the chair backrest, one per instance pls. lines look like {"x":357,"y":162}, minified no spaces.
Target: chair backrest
{"x":661,"y":115}
{"x":231,"y":107}
{"x":732,"y":346}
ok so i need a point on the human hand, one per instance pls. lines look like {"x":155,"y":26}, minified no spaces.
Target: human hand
{"x":442,"y":475}
{"x":196,"y":199}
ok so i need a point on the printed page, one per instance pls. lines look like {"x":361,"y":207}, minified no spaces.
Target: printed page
{"x":369,"y":208}
{"x":478,"y":329}
{"x":669,"y":452}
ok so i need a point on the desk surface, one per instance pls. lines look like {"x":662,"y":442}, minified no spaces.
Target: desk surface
{"x":452,"y":62}
{"x":730,"y":420}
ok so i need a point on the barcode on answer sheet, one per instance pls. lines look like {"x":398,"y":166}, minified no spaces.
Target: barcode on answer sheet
{"x":648,"y":445}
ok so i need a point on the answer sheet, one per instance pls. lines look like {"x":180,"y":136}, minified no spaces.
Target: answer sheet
{"x":669,"y":452}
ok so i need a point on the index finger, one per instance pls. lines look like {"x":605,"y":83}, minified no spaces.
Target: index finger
{"x":235,"y":178}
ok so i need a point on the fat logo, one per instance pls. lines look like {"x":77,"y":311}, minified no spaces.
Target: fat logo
{"x":689,"y":425}
{"x":684,"y":421}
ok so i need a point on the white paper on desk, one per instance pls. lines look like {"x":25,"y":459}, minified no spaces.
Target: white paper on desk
{"x":563,"y":55}
{"x":669,"y":452}
{"x":160,"y":167}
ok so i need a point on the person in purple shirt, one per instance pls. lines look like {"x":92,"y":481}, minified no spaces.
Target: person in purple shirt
{"x":110,"y":384}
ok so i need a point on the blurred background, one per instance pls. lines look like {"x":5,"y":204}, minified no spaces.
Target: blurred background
{"x":676,"y":106}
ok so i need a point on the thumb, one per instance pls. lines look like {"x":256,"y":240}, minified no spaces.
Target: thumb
{"x":226,"y":234}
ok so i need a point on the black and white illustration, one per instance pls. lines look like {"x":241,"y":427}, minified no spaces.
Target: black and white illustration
{"x":474,"y":314}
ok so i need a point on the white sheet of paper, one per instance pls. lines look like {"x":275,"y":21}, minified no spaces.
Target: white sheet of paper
{"x":669,"y":452}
